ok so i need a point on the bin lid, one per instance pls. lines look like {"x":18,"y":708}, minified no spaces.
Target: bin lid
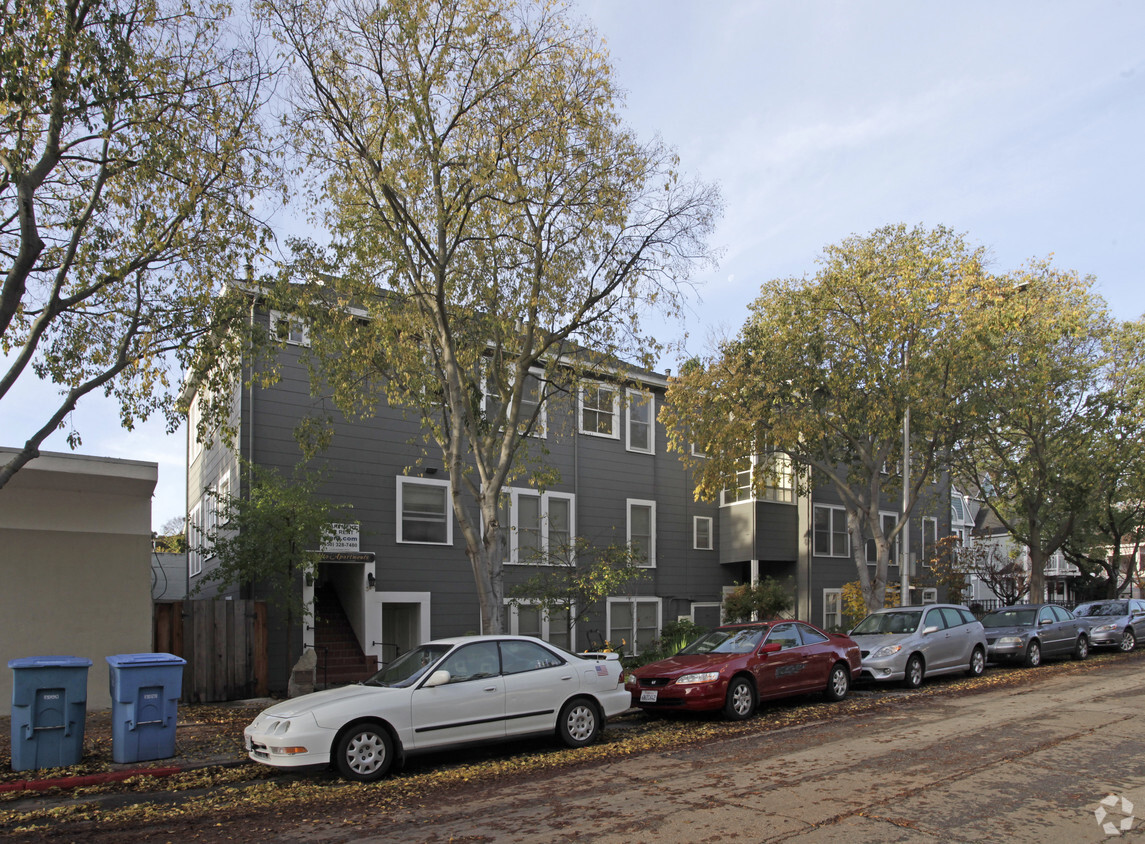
{"x":50,"y":662}
{"x":141,"y":660}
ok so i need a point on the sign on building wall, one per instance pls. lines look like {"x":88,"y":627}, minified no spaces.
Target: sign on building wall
{"x":345,"y":539}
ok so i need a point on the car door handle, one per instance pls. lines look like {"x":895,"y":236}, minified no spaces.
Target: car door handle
{"x":490,"y":689}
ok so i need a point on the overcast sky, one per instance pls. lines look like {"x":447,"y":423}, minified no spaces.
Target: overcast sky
{"x":1019,"y":124}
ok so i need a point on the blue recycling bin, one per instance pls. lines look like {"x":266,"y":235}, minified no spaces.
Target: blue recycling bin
{"x":145,"y":692}
{"x":49,"y":707}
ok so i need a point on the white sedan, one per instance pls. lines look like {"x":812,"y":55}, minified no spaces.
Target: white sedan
{"x":442,"y":693}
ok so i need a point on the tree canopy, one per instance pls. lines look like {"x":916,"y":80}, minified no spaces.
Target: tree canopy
{"x":131,"y":152}
{"x":492,"y":219}
{"x":826,"y":368}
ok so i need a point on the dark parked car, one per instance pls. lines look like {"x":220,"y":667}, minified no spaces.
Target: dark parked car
{"x":737,"y":665}
{"x":907,"y":643}
{"x":1116,"y":622}
{"x":1031,"y":632}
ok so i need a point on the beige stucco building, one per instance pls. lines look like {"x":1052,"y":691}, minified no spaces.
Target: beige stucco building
{"x":75,"y":547}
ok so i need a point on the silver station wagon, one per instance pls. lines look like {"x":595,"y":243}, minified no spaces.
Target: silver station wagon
{"x":909,"y":643}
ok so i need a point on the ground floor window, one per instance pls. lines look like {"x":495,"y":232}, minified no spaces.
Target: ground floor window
{"x":832,"y":609}
{"x":633,"y":623}
{"x":530,"y":620}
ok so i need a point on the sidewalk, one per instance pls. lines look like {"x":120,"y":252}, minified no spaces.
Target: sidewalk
{"x":206,"y":735}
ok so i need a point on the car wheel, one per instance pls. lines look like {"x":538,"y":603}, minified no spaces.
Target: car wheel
{"x":977,"y":663}
{"x":1128,"y":640}
{"x":914,"y":672}
{"x":364,"y":753}
{"x":1081,"y":649}
{"x":1033,"y":654}
{"x":741,"y":701}
{"x":839,"y":683}
{"x":579,"y":723}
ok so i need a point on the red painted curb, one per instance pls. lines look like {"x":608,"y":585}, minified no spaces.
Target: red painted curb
{"x":89,"y":779}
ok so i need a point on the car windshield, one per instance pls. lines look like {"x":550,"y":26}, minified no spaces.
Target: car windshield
{"x":1009,"y":618}
{"x":407,"y":668}
{"x":1112,"y":608}
{"x":889,"y":622}
{"x":741,"y":641}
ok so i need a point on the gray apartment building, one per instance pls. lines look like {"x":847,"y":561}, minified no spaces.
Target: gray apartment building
{"x":398,"y":574}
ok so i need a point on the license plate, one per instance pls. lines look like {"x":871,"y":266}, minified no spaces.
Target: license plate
{"x":648,"y":696}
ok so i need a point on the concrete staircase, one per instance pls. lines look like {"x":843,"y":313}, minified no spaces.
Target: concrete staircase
{"x":340,"y":657}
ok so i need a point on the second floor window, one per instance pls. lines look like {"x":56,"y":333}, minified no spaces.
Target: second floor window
{"x":642,"y":531}
{"x":599,"y":410}
{"x":641,"y":413}
{"x":830,"y":531}
{"x":423,"y":512}
{"x":537,"y":527}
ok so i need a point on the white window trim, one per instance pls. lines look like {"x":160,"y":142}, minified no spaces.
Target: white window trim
{"x":895,"y":558}
{"x":194,"y":537}
{"x":650,"y":563}
{"x":838,"y":594}
{"x":925,"y":562}
{"x":194,"y":415}
{"x":835,"y":508}
{"x":512,"y":553}
{"x":633,"y":601}
{"x":304,"y":329}
{"x":615,"y":435}
{"x":546,"y":622}
{"x":642,"y":396}
{"x":696,"y":520}
{"x":775,"y":498}
{"x":402,"y":480}
{"x":540,"y":430}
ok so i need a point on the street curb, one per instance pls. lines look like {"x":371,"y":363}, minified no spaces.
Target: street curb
{"x":111,"y":776}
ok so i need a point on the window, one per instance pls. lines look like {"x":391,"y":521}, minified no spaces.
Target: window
{"x":531,"y":620}
{"x":776,"y":474}
{"x":642,"y":531}
{"x":887,"y":521}
{"x":810,"y":635}
{"x":929,"y":539}
{"x":519,"y":657}
{"x":423,"y":512}
{"x":289,"y":329}
{"x":194,"y":541}
{"x":830,"y":529}
{"x":832,"y":609}
{"x":194,"y":419}
{"x":537,"y":528}
{"x":633,"y":623}
{"x":473,"y":662}
{"x":599,"y":410}
{"x":702,"y":533}
{"x":532,"y":395}
{"x":641,"y":413}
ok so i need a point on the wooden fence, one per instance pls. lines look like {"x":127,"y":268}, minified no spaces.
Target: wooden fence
{"x":224,"y":643}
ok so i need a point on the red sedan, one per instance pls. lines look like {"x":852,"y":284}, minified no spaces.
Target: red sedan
{"x":736,"y":666}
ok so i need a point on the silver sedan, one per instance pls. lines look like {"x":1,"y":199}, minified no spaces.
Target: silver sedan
{"x":1114,"y":623}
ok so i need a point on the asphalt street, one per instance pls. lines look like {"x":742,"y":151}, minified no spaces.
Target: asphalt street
{"x":1031,"y":763}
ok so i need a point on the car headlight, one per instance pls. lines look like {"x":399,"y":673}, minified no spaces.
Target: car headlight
{"x":692,"y":679}
{"x":1105,"y":628}
{"x":1009,"y":641}
{"x":885,"y":651}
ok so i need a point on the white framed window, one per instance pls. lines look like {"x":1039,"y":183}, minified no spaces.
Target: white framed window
{"x":775,"y":471}
{"x":599,"y":410}
{"x":423,"y":514}
{"x":929,"y":539}
{"x":194,"y":416}
{"x":532,"y":396}
{"x":830,"y":531}
{"x":537,"y":527}
{"x":290,"y":329}
{"x":640,"y":413}
{"x":832,"y":609}
{"x":633,"y":623}
{"x":642,"y":531}
{"x":194,"y":541}
{"x":224,"y":493}
{"x":888,"y":521}
{"x":530,"y":620}
{"x":702,"y":539}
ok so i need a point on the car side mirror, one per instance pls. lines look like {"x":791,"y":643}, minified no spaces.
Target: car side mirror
{"x":771,"y":648}
{"x":1045,"y":621}
{"x":437,"y":678}
{"x":928,"y":630}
